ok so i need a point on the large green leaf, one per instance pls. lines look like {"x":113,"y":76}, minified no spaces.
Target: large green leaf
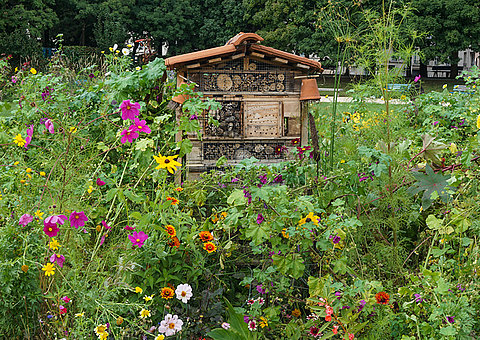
{"x":432,"y":148}
{"x":429,"y":183}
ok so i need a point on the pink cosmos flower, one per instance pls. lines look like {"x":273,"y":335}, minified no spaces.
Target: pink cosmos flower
{"x":78,"y":219}
{"x":129,"y":228}
{"x":129,"y":110}
{"x":49,"y":126}
{"x":14,"y":79}
{"x":25,"y":219}
{"x":100,"y":182}
{"x":66,"y":299}
{"x":140,"y":125}
{"x":103,"y":239}
{"x":28,"y":139}
{"x":30,"y":131}
{"x":50,"y":224}
{"x":59,"y":258}
{"x":105,"y":225}
{"x":138,"y":239}
{"x":128,"y":135}
{"x":63,"y":310}
{"x":417,"y":78}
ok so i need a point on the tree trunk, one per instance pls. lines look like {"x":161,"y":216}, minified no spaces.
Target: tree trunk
{"x":454,"y":65}
{"x":423,"y":70}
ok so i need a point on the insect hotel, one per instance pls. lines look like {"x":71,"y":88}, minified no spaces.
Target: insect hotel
{"x":262,"y":91}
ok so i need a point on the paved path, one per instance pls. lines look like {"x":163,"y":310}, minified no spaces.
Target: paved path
{"x":329,"y":99}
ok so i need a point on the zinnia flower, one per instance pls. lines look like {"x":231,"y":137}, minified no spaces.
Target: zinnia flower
{"x":206,"y":236}
{"x":173,"y":200}
{"x":128,"y":136}
{"x":252,"y":325}
{"x":25,"y":219}
{"x":78,"y":219}
{"x":382,"y":298}
{"x":167,"y":293}
{"x":170,"y":325}
{"x":175,"y":242}
{"x":167,"y":162}
{"x":171,"y":230}
{"x":184,"y":292}
{"x":49,"y":269}
{"x":209,"y":247}
{"x":315,"y":331}
{"x":138,"y":239}
{"x":129,"y":110}
{"x":140,"y":125}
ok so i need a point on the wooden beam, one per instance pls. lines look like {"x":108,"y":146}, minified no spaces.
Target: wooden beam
{"x":303,"y":66}
{"x":211,"y":61}
{"x":280,"y":60}
{"x":193,"y":65}
{"x":236,"y":56}
{"x":258,"y":55}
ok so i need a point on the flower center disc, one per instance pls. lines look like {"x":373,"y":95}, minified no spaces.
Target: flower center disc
{"x":184,"y":294}
{"x":171,"y":325}
{"x":138,"y":240}
{"x":167,"y":161}
{"x":308,"y":220}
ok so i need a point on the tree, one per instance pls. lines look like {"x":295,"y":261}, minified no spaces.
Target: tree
{"x":22,"y":25}
{"x":451,"y":26}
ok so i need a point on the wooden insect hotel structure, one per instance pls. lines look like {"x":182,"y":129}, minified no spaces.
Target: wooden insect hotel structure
{"x":261,"y":93}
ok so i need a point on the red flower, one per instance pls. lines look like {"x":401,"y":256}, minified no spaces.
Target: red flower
{"x":382,"y":298}
{"x":296,"y":141}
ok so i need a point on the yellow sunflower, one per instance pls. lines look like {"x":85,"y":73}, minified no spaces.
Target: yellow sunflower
{"x":309,"y":218}
{"x":167,"y":162}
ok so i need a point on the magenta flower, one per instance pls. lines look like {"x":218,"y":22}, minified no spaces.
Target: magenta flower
{"x":14,"y":79}
{"x":100,"y":182}
{"x":30,"y":131}
{"x":138,"y":239}
{"x":59,"y":258}
{"x":66,"y":299}
{"x":28,"y":139}
{"x":129,"y":228}
{"x":49,"y":126}
{"x":25,"y":219}
{"x":260,"y":218}
{"x":50,"y":224}
{"x":78,"y":219}
{"x":128,"y":135}
{"x":417,"y":78}
{"x":129,"y":110}
{"x":63,"y":310}
{"x":140,"y":125}
{"x":105,"y":225}
{"x":102,"y":240}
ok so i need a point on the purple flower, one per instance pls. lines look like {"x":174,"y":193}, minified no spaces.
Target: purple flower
{"x":346,"y":307}
{"x":138,"y":238}
{"x":362,"y":304}
{"x":335,"y":239}
{"x":105,"y":225}
{"x":260,"y":218}
{"x":418,"y":298}
{"x":338,"y":295}
{"x":59,"y":258}
{"x":49,"y":126}
{"x":128,"y":135}
{"x":417,"y":78}
{"x":140,"y":125}
{"x":100,"y":182}
{"x":235,"y":179}
{"x":460,"y":288}
{"x":278,"y":179}
{"x":193,"y":117}
{"x":78,"y":219}
{"x":435,"y":123}
{"x":14,"y":79}
{"x":260,"y":289}
{"x":25,"y":219}
{"x":263,"y":179}
{"x":91,"y":76}
{"x":246,"y":318}
{"x":450,"y":319}
{"x":248,"y":195}
{"x":129,"y":110}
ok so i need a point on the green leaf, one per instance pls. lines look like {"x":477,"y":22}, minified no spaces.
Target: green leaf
{"x":111,"y":194}
{"x":185,"y":146}
{"x":340,"y":265}
{"x":433,"y":222}
{"x":237,"y":197}
{"x":221,"y":334}
{"x":315,"y":286}
{"x":257,"y":233}
{"x":442,"y":287}
{"x":431,"y":148}
{"x":448,"y":331}
{"x":429,"y":183}
{"x":133,"y":197}
{"x":143,"y":144}
{"x":136,"y":215}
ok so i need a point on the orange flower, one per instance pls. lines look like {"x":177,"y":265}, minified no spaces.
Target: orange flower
{"x":167,"y":293}
{"x":205,"y":236}
{"x":179,"y":189}
{"x":209,"y":247}
{"x":173,"y":199}
{"x":296,"y":312}
{"x":382,"y":298}
{"x":215,"y":218}
{"x":174,"y":242}
{"x":171,"y":230}
{"x":223,"y":215}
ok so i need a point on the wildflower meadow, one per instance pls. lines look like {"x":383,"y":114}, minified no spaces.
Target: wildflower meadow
{"x":103,"y":234}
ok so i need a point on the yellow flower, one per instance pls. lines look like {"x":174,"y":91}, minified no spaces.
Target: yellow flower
{"x":102,"y":52}
{"x":168,"y":163}
{"x":284,"y":233}
{"x":444,"y":86}
{"x":138,"y":68}
{"x":167,"y":293}
{"x":103,"y":336}
{"x":223,"y":215}
{"x":79,"y":315}
{"x":263,"y":322}
{"x":160,"y":337}
{"x":453,"y":148}
{"x":39,"y":214}
{"x":42,"y":173}
{"x":73,"y":129}
{"x":1,"y":197}
{"x":90,"y":189}
{"x":25,"y":268}
{"x":478,"y":122}
{"x":53,"y":244}
{"x":309,"y":218}
{"x":19,"y":140}
{"x":33,"y":71}
{"x":210,"y":247}
{"x":148,"y":298}
{"x":29,"y":176}
{"x":16,"y":69}
{"x":171,"y":230}
{"x":296,"y":313}
{"x":16,"y":163}
{"x":138,"y":290}
{"x":215,"y":218}
{"x":119,"y":321}
{"x":101,"y":330}
{"x":28,"y":170}
{"x":49,"y":269}
{"x":129,"y":45}
{"x":111,"y":49}
{"x":22,"y":181}
{"x":144,"y":313}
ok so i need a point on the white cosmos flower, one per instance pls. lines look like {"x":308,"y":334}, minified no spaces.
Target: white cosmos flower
{"x":115,"y":47}
{"x":184,"y":292}
{"x":171,"y":325}
{"x":125,"y":51}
